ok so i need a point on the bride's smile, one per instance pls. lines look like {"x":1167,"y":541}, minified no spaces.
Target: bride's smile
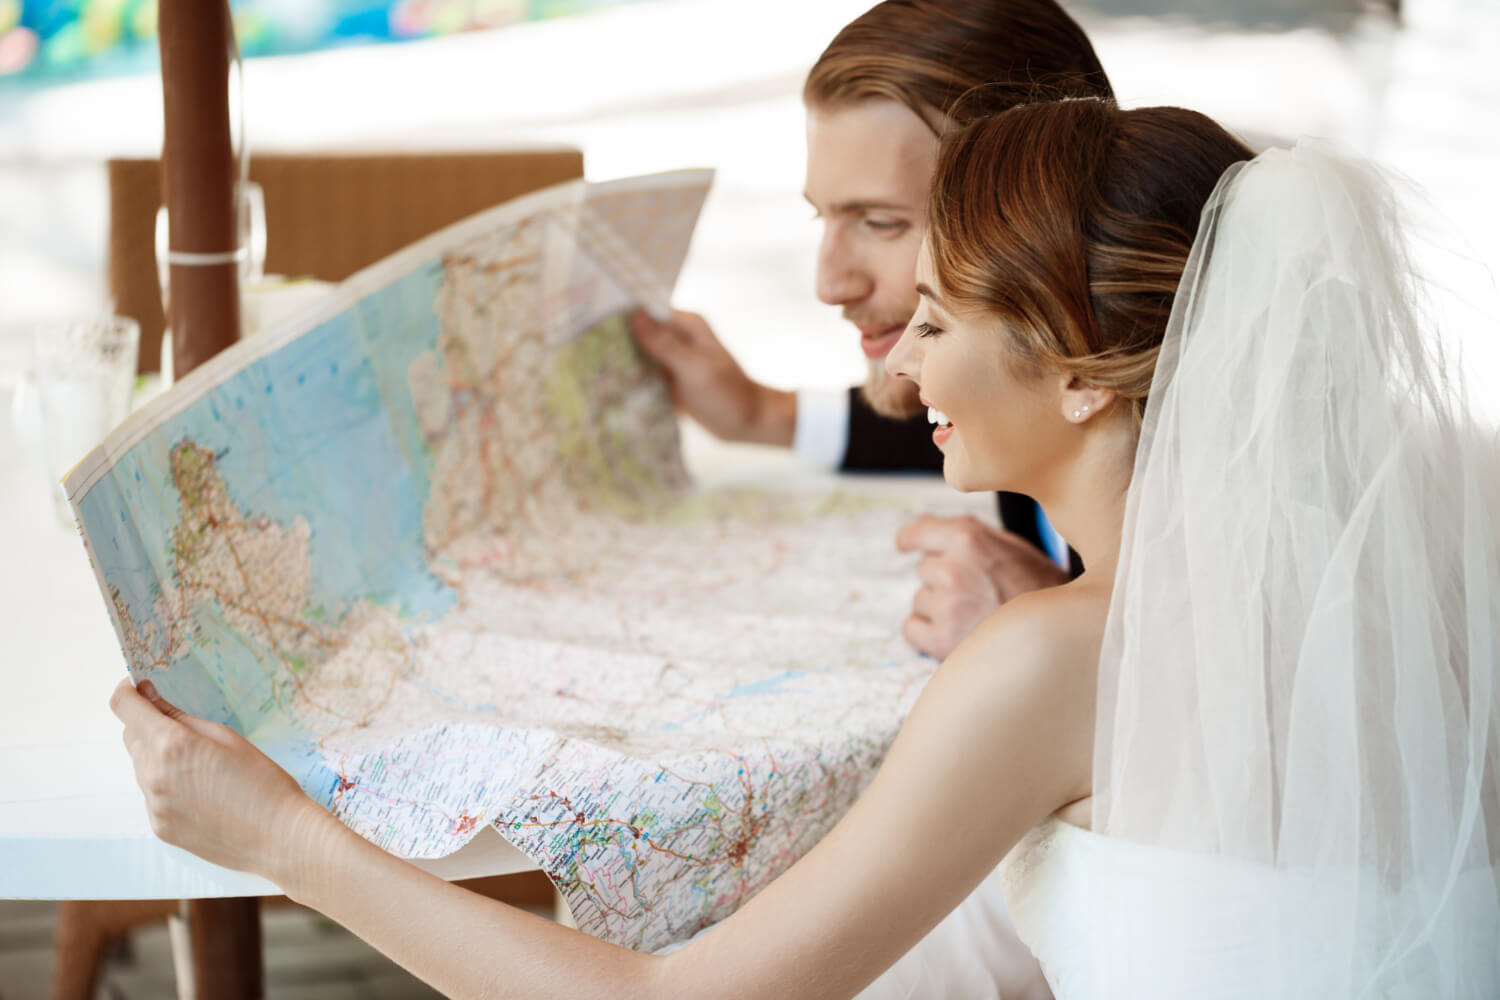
{"x":995,"y":418}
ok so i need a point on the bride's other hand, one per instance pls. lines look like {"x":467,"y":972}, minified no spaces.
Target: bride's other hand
{"x":968,"y":569}
{"x":208,"y":789}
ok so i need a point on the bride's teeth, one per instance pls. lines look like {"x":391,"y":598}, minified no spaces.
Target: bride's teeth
{"x":937,"y":416}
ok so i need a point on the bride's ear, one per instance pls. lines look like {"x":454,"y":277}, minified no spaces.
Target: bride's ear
{"x":1082,"y":401}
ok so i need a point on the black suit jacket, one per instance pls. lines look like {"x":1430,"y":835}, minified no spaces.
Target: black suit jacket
{"x":880,"y":444}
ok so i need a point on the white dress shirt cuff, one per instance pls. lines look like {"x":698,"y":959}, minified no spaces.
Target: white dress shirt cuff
{"x":821,"y":437}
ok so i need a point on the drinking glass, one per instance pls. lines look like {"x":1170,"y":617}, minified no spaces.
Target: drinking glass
{"x":84,"y":371}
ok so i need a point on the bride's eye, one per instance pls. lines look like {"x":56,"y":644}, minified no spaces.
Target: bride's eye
{"x":927,"y":330}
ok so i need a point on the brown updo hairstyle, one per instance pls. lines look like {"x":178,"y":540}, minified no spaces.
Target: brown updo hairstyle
{"x":927,"y":54}
{"x":1071,"y":222}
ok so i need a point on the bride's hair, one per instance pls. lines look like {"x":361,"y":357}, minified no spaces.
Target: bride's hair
{"x":1071,"y":222}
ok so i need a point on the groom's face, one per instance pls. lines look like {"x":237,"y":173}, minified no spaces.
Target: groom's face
{"x":869,"y":166}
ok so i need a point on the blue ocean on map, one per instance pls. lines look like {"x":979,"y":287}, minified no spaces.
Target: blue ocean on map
{"x":324,"y":429}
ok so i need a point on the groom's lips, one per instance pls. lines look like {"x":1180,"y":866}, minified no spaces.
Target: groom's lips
{"x":877,"y":341}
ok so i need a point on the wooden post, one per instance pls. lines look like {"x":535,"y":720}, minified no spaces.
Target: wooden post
{"x":198,"y":177}
{"x":228,"y":963}
{"x":84,"y":932}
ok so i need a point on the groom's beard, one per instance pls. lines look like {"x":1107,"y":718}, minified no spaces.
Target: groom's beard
{"x":889,"y":396}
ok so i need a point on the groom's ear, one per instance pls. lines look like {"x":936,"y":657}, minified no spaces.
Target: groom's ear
{"x":1082,"y":401}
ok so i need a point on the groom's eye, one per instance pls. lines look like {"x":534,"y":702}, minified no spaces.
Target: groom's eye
{"x":886,"y":227}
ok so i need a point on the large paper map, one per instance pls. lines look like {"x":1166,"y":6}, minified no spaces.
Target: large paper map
{"x":432,"y":546}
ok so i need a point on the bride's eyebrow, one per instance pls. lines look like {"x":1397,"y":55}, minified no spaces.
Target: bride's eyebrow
{"x":924,"y":290}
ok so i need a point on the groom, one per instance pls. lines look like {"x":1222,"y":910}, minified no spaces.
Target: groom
{"x":877,"y":100}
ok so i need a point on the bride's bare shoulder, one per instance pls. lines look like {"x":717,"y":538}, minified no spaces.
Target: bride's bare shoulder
{"x":1057,"y":630}
{"x":1030,"y":670}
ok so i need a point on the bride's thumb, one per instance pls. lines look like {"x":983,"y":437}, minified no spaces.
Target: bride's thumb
{"x":165,"y":707}
{"x":202,"y":727}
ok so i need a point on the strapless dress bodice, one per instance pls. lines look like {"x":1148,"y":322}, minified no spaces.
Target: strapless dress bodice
{"x":1108,"y":918}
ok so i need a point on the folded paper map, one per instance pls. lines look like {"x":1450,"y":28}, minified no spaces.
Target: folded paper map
{"x":432,"y":547}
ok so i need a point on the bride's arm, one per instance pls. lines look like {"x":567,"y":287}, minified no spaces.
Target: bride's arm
{"x":1000,"y":738}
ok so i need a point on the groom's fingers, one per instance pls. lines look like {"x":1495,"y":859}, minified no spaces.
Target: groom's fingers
{"x":661,"y":341}
{"x":925,"y":534}
{"x":665,"y":340}
{"x":928,"y":604}
{"x":921,"y":633}
{"x":943,"y":573}
{"x":964,"y":539}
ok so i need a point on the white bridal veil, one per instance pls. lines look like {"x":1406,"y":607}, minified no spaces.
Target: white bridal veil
{"x":1300,"y":667}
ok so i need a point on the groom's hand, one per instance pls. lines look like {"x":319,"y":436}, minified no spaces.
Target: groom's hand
{"x":708,"y":384}
{"x":967,"y":570}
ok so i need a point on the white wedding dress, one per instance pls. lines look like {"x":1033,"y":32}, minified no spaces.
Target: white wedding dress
{"x":1297,"y":744}
{"x":1112,"y":919}
{"x":973,"y":954}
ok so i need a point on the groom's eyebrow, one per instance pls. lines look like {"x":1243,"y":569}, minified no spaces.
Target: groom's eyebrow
{"x":861,"y":206}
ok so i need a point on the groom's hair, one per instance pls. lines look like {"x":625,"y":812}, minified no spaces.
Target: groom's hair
{"x":1072,"y":222}
{"x":927,"y":54}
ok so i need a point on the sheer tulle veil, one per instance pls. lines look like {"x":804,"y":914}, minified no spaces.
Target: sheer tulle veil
{"x":1300,"y":665}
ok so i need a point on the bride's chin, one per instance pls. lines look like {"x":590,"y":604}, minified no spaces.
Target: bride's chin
{"x":960,"y":473}
{"x":954,"y":476}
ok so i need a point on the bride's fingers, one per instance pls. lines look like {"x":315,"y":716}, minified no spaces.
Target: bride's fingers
{"x":132,"y":708}
{"x":165,"y":707}
{"x":152,"y":724}
{"x":201,"y":726}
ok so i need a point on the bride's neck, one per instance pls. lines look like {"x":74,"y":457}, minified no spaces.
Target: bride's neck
{"x":1084,"y":495}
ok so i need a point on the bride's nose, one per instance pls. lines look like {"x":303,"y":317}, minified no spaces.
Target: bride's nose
{"x":904,"y":360}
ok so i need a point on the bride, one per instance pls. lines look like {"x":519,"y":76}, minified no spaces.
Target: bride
{"x":1253,"y":751}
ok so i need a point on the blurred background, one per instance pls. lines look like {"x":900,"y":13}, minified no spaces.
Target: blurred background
{"x":644,"y":85}
{"x":648,"y":85}
{"x":51,"y":40}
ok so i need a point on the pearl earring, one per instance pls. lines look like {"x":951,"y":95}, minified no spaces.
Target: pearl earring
{"x":1078,"y":413}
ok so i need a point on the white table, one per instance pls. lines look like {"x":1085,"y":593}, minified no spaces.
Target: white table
{"x":72,"y":822}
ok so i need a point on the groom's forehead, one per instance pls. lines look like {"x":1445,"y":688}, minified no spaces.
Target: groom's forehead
{"x":876,"y":154}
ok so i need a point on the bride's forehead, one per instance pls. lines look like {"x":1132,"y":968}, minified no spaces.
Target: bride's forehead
{"x":928,"y":282}
{"x":924,"y":261}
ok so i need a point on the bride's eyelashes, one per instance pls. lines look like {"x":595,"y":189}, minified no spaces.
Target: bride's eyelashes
{"x":928,"y":330}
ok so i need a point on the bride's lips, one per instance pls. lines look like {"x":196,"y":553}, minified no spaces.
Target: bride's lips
{"x":941,"y":433}
{"x":877,"y":341}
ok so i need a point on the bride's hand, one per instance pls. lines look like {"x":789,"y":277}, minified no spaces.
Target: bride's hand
{"x":208,"y":789}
